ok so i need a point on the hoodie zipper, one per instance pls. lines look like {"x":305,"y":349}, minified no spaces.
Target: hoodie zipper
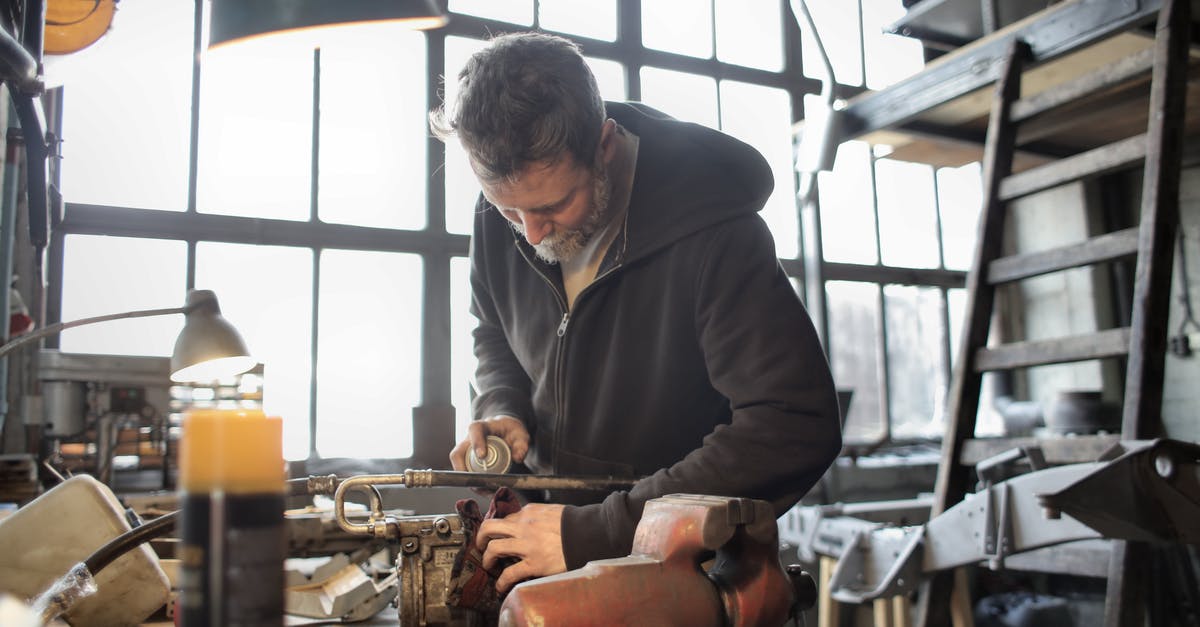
{"x":560,"y":384}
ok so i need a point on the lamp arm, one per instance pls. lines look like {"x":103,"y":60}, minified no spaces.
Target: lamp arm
{"x":61,"y":326}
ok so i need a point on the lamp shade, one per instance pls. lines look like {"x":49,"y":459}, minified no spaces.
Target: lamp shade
{"x":235,"y":20}
{"x":208,"y":347}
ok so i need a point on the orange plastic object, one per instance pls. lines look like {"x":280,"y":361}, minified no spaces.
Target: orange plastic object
{"x":235,"y":451}
{"x":73,"y":25}
{"x":662,"y":583}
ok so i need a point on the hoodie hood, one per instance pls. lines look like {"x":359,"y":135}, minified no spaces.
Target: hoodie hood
{"x":688,"y":177}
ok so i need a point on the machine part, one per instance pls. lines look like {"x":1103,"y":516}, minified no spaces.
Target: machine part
{"x":1151,"y":493}
{"x":77,"y":585}
{"x":661,"y":582}
{"x":313,"y":532}
{"x":829,"y":529}
{"x":381,"y":526}
{"x":55,"y":533}
{"x":498,"y":459}
{"x":349,"y":595}
{"x":428,"y":546}
{"x":879,"y":563}
{"x":65,"y":405}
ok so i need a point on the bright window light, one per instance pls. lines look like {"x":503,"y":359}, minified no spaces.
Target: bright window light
{"x":512,"y":11}
{"x":462,"y":346}
{"x":104,"y":275}
{"x":256,"y":131}
{"x":126,"y":101}
{"x":266,"y":293}
{"x":679,"y":26}
{"x":595,"y":19}
{"x":462,"y":189}
{"x":369,"y":342}
{"x":684,"y":96}
{"x":750,"y":33}
{"x":762,"y":117}
{"x":373,"y":129}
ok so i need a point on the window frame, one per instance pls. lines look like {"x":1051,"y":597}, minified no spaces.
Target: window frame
{"x":433,"y":420}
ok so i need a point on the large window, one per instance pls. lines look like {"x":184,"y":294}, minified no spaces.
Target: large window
{"x":301,"y":185}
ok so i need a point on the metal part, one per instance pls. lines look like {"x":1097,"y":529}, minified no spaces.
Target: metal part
{"x":428,"y":546}
{"x":498,"y":459}
{"x":382,"y":526}
{"x":1151,"y":492}
{"x":349,"y":595}
{"x":661,"y":582}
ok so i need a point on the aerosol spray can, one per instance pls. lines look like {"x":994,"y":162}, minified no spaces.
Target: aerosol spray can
{"x":232,"y":476}
{"x":497,"y":460}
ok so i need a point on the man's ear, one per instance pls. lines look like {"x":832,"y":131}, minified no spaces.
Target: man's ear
{"x":608,"y":144}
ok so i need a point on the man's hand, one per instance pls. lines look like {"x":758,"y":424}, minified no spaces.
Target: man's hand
{"x":511,"y":430}
{"x":532,"y":535}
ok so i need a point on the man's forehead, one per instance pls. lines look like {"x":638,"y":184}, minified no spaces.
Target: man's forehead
{"x":547,"y":175}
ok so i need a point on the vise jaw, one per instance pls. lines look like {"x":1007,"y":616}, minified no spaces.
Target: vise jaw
{"x":663,"y":582}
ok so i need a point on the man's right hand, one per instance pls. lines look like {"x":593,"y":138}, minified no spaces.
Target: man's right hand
{"x":507,"y":428}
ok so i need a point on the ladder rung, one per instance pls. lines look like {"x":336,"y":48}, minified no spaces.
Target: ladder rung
{"x":1132,"y":66}
{"x":1100,"y":248}
{"x":1107,"y":343}
{"x":1094,"y":162}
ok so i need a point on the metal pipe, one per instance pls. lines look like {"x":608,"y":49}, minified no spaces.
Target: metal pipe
{"x":378,"y":525}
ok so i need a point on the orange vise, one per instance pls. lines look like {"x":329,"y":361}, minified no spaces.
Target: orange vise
{"x":663,"y":581}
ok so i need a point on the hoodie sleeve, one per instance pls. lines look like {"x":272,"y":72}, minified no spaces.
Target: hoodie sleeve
{"x":762,"y":353}
{"x":502,"y":387}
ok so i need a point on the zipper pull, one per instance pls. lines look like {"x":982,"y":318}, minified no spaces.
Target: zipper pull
{"x":562,"y":326}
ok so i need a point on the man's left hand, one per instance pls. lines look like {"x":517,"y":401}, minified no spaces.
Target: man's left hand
{"x":532,"y":535}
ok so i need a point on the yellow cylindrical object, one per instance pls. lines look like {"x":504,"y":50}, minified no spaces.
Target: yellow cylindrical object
{"x":234,"y":545}
{"x":235,"y":451}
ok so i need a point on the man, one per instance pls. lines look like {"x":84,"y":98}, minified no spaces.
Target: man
{"x":633,"y":317}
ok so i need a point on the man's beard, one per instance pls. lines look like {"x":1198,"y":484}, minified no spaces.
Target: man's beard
{"x":565,"y":245}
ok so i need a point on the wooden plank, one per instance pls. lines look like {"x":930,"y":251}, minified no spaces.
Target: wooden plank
{"x":828,"y":610}
{"x":1159,"y":224}
{"x":1107,"y":343}
{"x":1052,"y":33}
{"x":1128,"y":68}
{"x":883,"y":612}
{"x":1092,"y":163}
{"x":1057,"y":450}
{"x":1084,"y":558}
{"x":1107,"y":247}
{"x":901,"y":611}
{"x":963,"y":397}
{"x":960,"y":601}
{"x":890,"y":275}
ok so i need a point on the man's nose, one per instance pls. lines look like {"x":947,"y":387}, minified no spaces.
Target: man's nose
{"x":536,"y":228}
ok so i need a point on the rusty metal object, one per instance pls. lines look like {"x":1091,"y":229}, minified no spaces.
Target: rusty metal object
{"x":428,"y":545}
{"x":382,"y":526}
{"x":661,"y":582}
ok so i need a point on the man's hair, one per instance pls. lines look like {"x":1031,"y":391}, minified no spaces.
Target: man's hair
{"x":527,"y":97}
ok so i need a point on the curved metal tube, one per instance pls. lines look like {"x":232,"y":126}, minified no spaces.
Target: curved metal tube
{"x":366,"y":483}
{"x":17,"y":66}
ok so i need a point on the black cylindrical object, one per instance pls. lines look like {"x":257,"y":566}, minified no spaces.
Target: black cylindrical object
{"x":232,"y":474}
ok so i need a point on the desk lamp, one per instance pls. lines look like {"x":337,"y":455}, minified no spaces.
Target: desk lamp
{"x":208,"y":347}
{"x":240,"y":20}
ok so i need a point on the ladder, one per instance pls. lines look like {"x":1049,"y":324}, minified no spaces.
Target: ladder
{"x":1143,"y":343}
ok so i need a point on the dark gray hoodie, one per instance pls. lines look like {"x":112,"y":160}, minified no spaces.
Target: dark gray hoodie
{"x":689,"y":360}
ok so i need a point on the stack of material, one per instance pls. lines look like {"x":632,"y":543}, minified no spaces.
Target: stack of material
{"x":18,"y":479}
